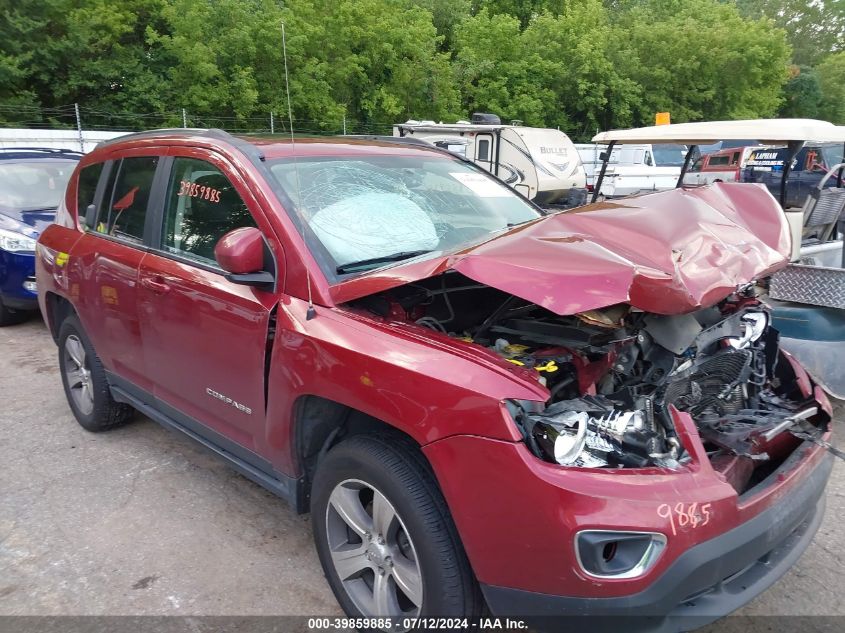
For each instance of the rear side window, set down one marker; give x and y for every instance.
(87, 187)
(201, 207)
(126, 212)
(719, 161)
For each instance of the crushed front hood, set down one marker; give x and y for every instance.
(669, 253)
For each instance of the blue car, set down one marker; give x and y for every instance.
(32, 185)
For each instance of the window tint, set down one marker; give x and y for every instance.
(127, 208)
(719, 160)
(483, 150)
(202, 206)
(87, 187)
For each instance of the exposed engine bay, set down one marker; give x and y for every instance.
(616, 375)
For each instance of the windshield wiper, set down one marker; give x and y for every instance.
(384, 259)
(37, 209)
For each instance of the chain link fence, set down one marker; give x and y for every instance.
(80, 117)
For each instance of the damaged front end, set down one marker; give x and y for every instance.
(618, 377)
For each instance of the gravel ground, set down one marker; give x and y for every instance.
(139, 521)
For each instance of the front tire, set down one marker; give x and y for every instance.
(387, 543)
(84, 381)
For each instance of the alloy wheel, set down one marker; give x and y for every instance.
(372, 552)
(78, 375)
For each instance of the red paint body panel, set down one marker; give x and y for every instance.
(177, 330)
(517, 516)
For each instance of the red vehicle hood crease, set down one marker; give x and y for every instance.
(669, 253)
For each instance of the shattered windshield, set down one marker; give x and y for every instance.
(369, 211)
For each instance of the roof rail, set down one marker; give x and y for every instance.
(248, 148)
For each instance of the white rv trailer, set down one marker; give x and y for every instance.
(540, 163)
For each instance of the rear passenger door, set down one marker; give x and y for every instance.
(204, 337)
(111, 253)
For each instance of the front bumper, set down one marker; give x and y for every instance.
(705, 583)
(16, 269)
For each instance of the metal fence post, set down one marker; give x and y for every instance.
(184, 118)
(272, 124)
(79, 128)
(344, 124)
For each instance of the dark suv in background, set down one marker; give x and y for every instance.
(32, 183)
(765, 165)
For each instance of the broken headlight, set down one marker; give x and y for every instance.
(753, 324)
(588, 434)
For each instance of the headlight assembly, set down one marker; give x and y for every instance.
(16, 242)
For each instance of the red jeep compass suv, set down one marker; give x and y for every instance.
(582, 413)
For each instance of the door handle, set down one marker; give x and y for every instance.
(155, 284)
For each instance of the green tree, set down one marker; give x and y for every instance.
(523, 10)
(700, 60)
(802, 94)
(58, 52)
(814, 28)
(497, 72)
(575, 64)
(831, 73)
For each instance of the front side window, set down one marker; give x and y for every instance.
(201, 207)
(33, 185)
(368, 211)
(86, 188)
(126, 213)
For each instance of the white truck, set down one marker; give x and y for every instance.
(540, 163)
(633, 168)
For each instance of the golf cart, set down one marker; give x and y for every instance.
(808, 295)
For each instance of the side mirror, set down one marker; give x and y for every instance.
(241, 253)
(603, 156)
(90, 216)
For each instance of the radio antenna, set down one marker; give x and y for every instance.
(311, 313)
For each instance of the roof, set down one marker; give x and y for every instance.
(423, 126)
(767, 131)
(279, 146)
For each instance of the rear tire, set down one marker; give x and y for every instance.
(84, 380)
(385, 538)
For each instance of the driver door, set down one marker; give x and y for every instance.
(204, 337)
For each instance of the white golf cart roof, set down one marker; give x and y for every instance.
(766, 131)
